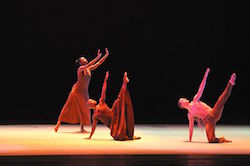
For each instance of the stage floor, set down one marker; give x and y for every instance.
(39, 140)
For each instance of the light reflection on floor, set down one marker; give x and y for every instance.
(19, 140)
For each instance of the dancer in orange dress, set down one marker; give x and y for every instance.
(120, 118)
(75, 110)
(205, 115)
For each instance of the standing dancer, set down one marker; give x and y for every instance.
(120, 118)
(204, 115)
(75, 110)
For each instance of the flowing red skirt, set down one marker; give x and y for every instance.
(122, 124)
(75, 109)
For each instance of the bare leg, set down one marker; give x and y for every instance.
(82, 129)
(57, 125)
(210, 131)
(217, 112)
(219, 105)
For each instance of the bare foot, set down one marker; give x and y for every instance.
(232, 79)
(84, 131)
(223, 140)
(107, 75)
(125, 78)
(226, 141)
(136, 137)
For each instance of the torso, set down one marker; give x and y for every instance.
(199, 109)
(104, 114)
(82, 84)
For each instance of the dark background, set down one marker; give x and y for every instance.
(164, 47)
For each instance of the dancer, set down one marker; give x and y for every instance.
(75, 110)
(205, 115)
(120, 118)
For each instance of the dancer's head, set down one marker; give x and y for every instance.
(92, 104)
(182, 103)
(81, 61)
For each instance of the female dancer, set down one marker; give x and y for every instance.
(75, 110)
(120, 118)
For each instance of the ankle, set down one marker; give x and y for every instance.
(232, 79)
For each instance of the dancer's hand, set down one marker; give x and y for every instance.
(107, 51)
(99, 54)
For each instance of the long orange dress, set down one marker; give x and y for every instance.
(119, 118)
(75, 109)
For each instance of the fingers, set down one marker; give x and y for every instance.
(107, 51)
(99, 52)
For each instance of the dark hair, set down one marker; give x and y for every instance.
(78, 62)
(179, 105)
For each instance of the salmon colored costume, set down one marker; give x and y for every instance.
(120, 118)
(75, 109)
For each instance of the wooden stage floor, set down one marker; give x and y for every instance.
(38, 141)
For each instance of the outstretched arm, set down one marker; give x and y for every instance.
(94, 66)
(202, 86)
(83, 67)
(191, 126)
(99, 54)
(104, 88)
(93, 126)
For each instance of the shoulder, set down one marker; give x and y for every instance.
(82, 68)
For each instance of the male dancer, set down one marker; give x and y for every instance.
(204, 114)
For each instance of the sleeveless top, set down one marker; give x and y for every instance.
(82, 84)
(104, 114)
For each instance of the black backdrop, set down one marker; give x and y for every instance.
(164, 47)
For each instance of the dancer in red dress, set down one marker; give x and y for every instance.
(205, 115)
(120, 118)
(75, 110)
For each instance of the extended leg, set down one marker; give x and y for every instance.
(122, 128)
(210, 130)
(219, 105)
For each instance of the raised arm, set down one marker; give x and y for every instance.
(93, 126)
(99, 54)
(94, 66)
(191, 126)
(202, 86)
(104, 87)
